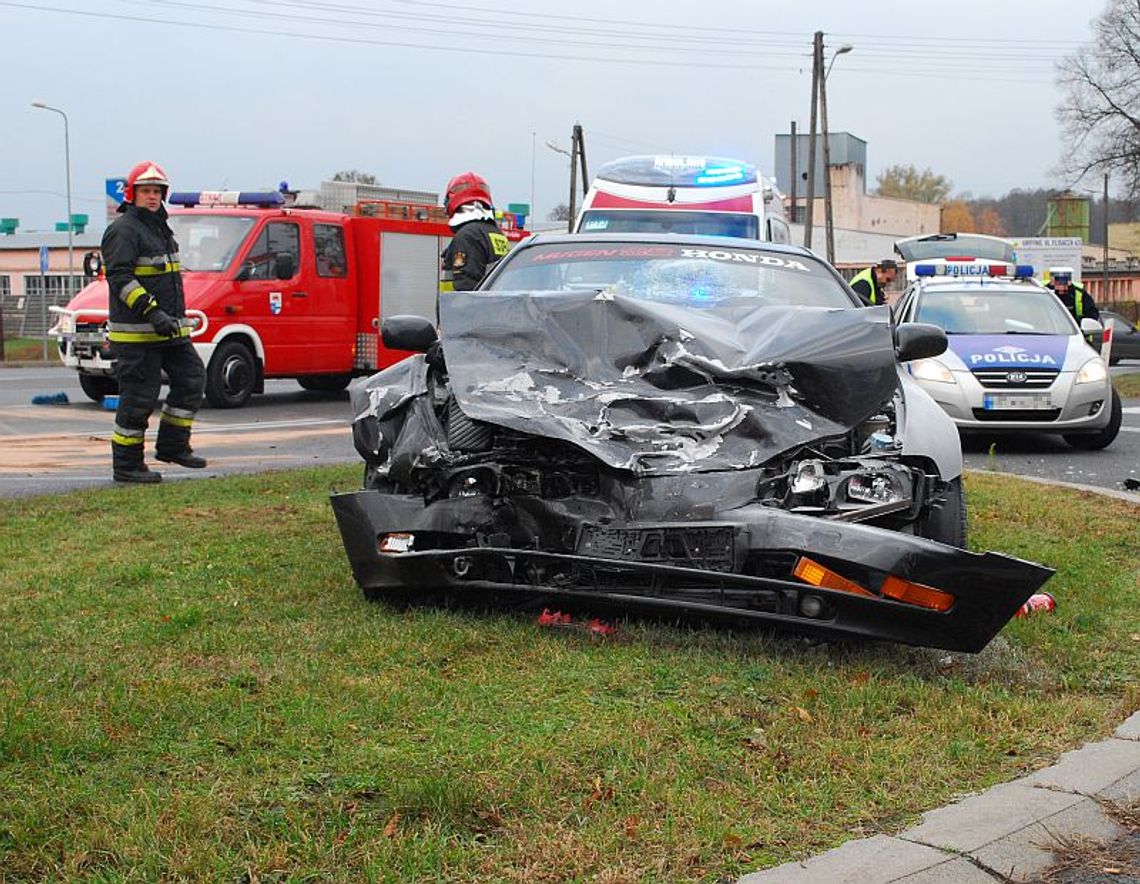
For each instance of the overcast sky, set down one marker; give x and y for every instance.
(245, 93)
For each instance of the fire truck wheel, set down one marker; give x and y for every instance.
(324, 383)
(231, 375)
(97, 386)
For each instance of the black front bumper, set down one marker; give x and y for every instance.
(744, 573)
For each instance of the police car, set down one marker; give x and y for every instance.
(1017, 360)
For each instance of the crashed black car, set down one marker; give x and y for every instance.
(673, 423)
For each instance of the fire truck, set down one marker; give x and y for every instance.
(281, 291)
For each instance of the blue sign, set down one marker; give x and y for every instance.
(44, 255)
(115, 189)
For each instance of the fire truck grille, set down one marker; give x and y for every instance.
(1015, 378)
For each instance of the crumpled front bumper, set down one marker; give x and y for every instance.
(739, 576)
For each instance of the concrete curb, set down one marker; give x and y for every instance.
(1006, 833)
(1127, 496)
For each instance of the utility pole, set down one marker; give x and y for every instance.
(577, 158)
(1104, 268)
(816, 75)
(828, 217)
(795, 144)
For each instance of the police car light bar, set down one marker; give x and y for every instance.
(260, 199)
(962, 268)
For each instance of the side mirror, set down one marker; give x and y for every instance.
(919, 340)
(408, 332)
(1090, 326)
(244, 272)
(283, 266)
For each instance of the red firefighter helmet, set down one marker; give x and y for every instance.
(466, 188)
(146, 172)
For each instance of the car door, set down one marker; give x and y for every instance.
(278, 308)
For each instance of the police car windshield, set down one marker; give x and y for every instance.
(681, 274)
(207, 243)
(994, 311)
(735, 224)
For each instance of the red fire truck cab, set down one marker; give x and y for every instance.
(280, 292)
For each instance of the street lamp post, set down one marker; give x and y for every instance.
(573, 187)
(67, 170)
(828, 215)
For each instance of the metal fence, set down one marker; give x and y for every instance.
(27, 315)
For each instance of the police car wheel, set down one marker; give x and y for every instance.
(231, 375)
(946, 520)
(97, 387)
(1097, 441)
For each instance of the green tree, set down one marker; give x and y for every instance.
(355, 176)
(906, 182)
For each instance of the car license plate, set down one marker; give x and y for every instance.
(1016, 401)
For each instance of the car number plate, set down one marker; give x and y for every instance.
(1018, 401)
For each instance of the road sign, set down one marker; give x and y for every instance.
(45, 256)
(116, 188)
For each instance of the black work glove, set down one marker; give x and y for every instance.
(163, 324)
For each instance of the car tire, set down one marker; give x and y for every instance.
(231, 375)
(324, 383)
(1097, 441)
(946, 521)
(97, 387)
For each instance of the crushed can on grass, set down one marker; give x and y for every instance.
(1040, 601)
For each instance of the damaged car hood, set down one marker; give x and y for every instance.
(657, 387)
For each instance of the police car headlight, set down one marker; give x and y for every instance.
(931, 370)
(1092, 372)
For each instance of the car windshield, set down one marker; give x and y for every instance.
(207, 243)
(955, 245)
(689, 275)
(738, 224)
(994, 311)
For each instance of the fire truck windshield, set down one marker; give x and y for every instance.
(704, 223)
(208, 243)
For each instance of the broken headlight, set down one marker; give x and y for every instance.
(877, 487)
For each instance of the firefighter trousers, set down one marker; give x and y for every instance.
(139, 369)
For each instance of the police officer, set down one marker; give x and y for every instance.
(1076, 300)
(477, 242)
(148, 331)
(871, 284)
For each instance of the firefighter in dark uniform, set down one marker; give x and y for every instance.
(871, 284)
(477, 242)
(148, 330)
(1076, 300)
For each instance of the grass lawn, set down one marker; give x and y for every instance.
(192, 687)
(29, 350)
(1127, 385)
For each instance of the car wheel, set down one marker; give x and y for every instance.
(231, 375)
(324, 383)
(1097, 441)
(97, 386)
(946, 520)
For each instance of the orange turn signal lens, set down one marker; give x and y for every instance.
(813, 572)
(917, 594)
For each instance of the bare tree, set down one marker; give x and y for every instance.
(560, 212)
(1100, 111)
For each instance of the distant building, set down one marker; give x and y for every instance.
(25, 292)
(866, 226)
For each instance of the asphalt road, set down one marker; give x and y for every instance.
(1046, 456)
(50, 448)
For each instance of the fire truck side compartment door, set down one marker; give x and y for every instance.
(409, 274)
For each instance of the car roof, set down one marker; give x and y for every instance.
(707, 242)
